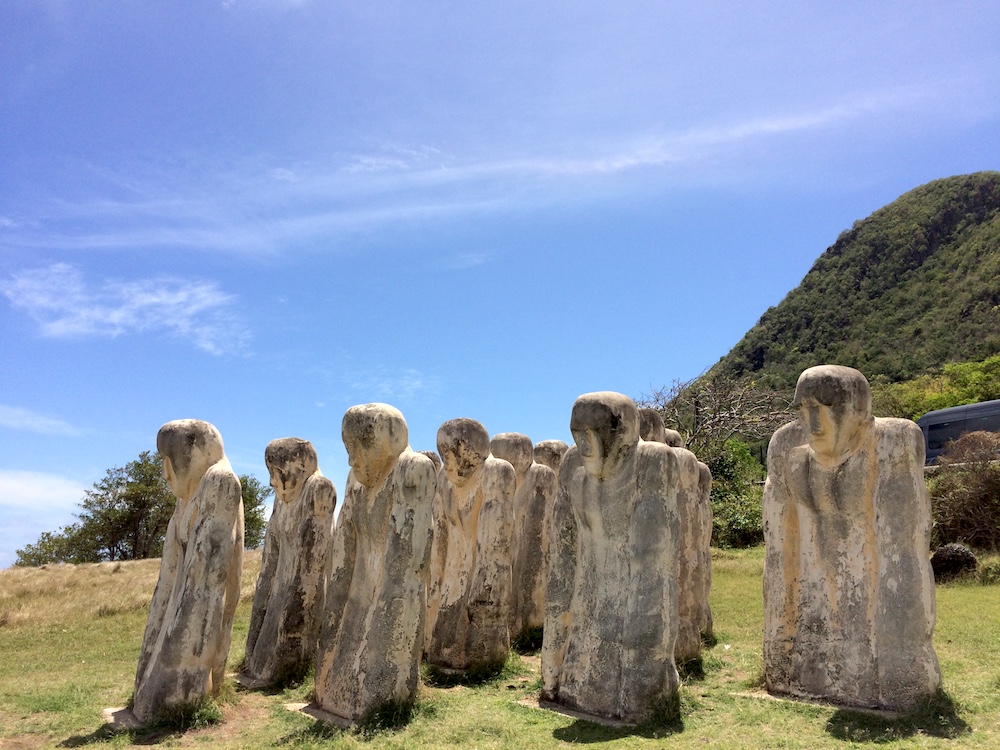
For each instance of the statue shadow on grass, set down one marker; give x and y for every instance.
(106, 732)
(583, 731)
(666, 721)
(938, 717)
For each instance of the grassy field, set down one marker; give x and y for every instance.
(70, 637)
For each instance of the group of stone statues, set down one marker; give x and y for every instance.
(602, 547)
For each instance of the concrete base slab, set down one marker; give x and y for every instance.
(315, 712)
(248, 682)
(573, 714)
(121, 719)
(764, 696)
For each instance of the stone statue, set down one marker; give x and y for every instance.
(694, 509)
(535, 489)
(651, 426)
(469, 597)
(550, 453)
(434, 457)
(190, 625)
(673, 438)
(848, 591)
(288, 601)
(611, 607)
(377, 589)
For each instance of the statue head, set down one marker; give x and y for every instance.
(605, 426)
(290, 462)
(651, 426)
(550, 453)
(434, 457)
(834, 404)
(374, 436)
(189, 447)
(673, 438)
(464, 446)
(514, 448)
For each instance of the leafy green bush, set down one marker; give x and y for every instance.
(737, 494)
(965, 493)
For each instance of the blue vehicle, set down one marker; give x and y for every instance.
(941, 426)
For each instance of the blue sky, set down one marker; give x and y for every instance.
(261, 212)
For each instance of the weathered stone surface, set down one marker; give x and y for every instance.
(535, 489)
(376, 596)
(694, 571)
(673, 438)
(952, 560)
(694, 568)
(550, 453)
(190, 625)
(611, 608)
(288, 600)
(469, 594)
(651, 426)
(848, 593)
(434, 457)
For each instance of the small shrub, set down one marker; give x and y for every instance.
(965, 493)
(953, 561)
(527, 641)
(989, 573)
(737, 494)
(738, 520)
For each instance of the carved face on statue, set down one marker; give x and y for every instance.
(835, 408)
(374, 436)
(188, 447)
(290, 462)
(464, 446)
(605, 426)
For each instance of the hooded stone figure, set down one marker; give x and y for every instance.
(535, 490)
(468, 606)
(288, 600)
(377, 590)
(848, 591)
(550, 453)
(694, 509)
(611, 609)
(188, 633)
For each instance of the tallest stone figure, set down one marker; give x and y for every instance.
(190, 625)
(848, 589)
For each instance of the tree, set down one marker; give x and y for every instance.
(726, 422)
(255, 493)
(125, 514)
(711, 410)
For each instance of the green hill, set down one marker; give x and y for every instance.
(910, 288)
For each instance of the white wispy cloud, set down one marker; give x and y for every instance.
(384, 386)
(38, 491)
(464, 261)
(64, 305)
(17, 418)
(263, 207)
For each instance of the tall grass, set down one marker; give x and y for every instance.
(69, 646)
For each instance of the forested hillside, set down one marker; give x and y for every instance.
(910, 288)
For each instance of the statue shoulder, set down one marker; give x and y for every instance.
(789, 435)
